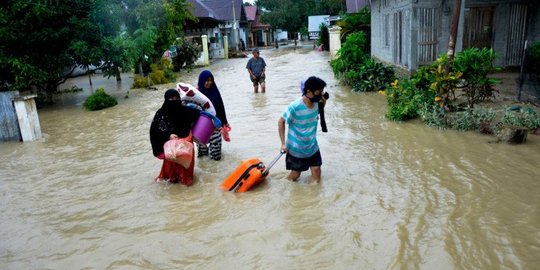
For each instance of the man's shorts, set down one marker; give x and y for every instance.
(259, 79)
(302, 164)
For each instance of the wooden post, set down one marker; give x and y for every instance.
(453, 33)
(27, 115)
(520, 78)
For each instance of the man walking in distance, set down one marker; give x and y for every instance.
(256, 67)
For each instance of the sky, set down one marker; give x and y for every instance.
(249, 1)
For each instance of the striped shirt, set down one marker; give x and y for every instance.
(302, 132)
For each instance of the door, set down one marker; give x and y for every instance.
(478, 27)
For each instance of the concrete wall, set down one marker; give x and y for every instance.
(379, 13)
(383, 11)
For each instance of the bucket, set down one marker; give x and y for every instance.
(202, 131)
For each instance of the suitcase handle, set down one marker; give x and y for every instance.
(267, 170)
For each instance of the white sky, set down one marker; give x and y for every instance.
(249, 1)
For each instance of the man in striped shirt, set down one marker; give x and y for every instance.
(301, 145)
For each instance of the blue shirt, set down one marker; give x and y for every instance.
(256, 66)
(302, 133)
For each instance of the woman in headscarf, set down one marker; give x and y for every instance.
(208, 87)
(173, 120)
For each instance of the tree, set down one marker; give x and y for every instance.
(43, 42)
(162, 18)
(292, 15)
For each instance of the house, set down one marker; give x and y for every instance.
(411, 33)
(259, 34)
(217, 19)
(314, 25)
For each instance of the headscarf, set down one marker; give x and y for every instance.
(171, 118)
(171, 93)
(213, 94)
(172, 107)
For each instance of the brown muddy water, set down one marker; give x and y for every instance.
(392, 195)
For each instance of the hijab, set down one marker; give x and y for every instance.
(213, 94)
(171, 118)
(172, 107)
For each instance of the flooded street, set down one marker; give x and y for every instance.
(392, 195)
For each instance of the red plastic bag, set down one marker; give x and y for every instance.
(179, 151)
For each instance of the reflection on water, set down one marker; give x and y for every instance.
(89, 84)
(393, 195)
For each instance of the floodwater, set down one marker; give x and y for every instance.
(392, 195)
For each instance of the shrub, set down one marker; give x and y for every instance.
(140, 82)
(324, 37)
(442, 82)
(99, 100)
(522, 118)
(158, 77)
(73, 89)
(484, 119)
(371, 76)
(351, 55)
(187, 53)
(464, 120)
(355, 22)
(475, 65)
(405, 100)
(433, 115)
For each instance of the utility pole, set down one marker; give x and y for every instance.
(235, 35)
(453, 33)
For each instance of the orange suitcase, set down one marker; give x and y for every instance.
(249, 173)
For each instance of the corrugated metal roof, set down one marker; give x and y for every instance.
(222, 9)
(201, 10)
(251, 12)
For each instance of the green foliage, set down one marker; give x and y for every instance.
(351, 55)
(40, 39)
(44, 41)
(324, 36)
(162, 73)
(158, 77)
(371, 76)
(477, 118)
(405, 100)
(522, 118)
(304, 31)
(99, 100)
(532, 63)
(288, 15)
(140, 82)
(355, 22)
(292, 15)
(484, 115)
(187, 53)
(443, 82)
(73, 89)
(475, 65)
(464, 120)
(433, 115)
(484, 118)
